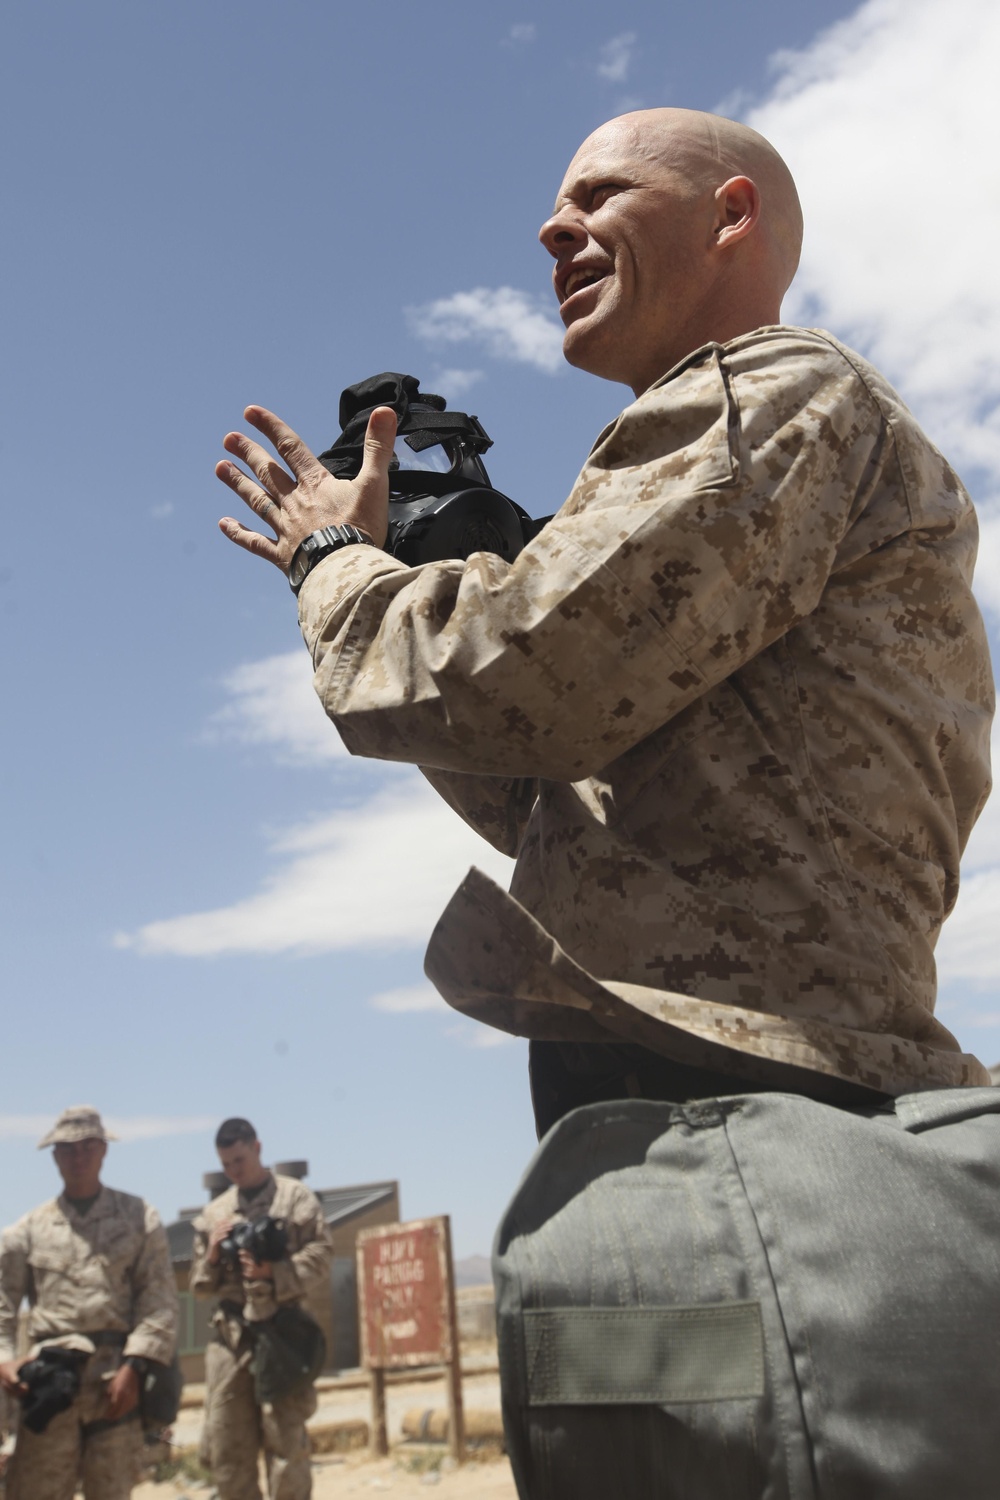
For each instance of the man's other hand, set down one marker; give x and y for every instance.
(10, 1377)
(123, 1393)
(296, 504)
(215, 1239)
(254, 1270)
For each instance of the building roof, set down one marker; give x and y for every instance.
(339, 1206)
(342, 1204)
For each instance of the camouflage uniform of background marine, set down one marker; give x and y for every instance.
(105, 1274)
(236, 1428)
(730, 710)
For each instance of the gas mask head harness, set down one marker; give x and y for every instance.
(433, 515)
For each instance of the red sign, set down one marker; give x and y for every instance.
(407, 1294)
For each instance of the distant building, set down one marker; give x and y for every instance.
(347, 1211)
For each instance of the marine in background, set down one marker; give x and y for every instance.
(249, 1292)
(94, 1267)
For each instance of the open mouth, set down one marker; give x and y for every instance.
(580, 278)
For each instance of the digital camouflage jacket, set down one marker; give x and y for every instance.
(105, 1271)
(730, 710)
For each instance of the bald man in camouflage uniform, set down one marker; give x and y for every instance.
(730, 710)
(237, 1426)
(94, 1266)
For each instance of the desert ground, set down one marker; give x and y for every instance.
(412, 1470)
(354, 1474)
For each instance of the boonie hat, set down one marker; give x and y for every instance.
(80, 1122)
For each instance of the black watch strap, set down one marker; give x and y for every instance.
(320, 544)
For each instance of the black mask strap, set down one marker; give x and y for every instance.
(423, 421)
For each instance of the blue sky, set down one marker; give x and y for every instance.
(215, 204)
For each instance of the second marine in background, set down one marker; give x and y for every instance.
(259, 1250)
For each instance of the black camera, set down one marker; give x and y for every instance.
(264, 1239)
(52, 1381)
(433, 514)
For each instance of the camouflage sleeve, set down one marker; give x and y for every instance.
(704, 526)
(309, 1262)
(497, 807)
(155, 1307)
(205, 1280)
(13, 1284)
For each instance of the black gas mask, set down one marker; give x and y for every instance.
(433, 514)
(52, 1382)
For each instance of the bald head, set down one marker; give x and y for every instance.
(708, 151)
(672, 228)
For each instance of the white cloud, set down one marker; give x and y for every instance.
(489, 1036)
(161, 512)
(968, 948)
(888, 123)
(272, 704)
(616, 57)
(373, 876)
(983, 849)
(523, 32)
(988, 563)
(454, 385)
(509, 324)
(126, 1127)
(480, 1036)
(421, 998)
(416, 997)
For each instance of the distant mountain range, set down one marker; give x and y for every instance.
(474, 1270)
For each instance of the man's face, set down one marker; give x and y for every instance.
(241, 1163)
(632, 239)
(79, 1164)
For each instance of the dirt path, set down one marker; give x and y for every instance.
(481, 1391)
(355, 1474)
(334, 1479)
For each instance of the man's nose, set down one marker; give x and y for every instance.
(561, 233)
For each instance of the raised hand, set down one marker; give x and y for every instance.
(298, 503)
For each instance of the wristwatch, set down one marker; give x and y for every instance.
(320, 544)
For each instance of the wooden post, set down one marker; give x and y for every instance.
(456, 1411)
(380, 1430)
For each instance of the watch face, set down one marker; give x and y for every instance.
(298, 567)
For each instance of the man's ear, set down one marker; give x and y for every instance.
(737, 210)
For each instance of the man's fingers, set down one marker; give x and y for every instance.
(250, 541)
(267, 469)
(299, 458)
(380, 437)
(258, 500)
